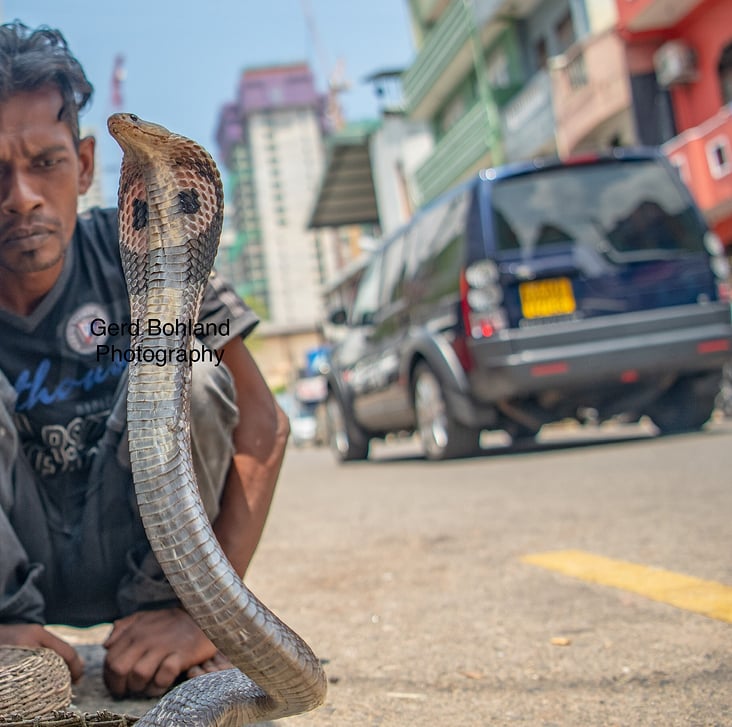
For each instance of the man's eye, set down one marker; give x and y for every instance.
(48, 162)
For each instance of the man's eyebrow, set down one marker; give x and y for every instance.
(38, 153)
(52, 149)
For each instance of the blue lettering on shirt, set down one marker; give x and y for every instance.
(32, 389)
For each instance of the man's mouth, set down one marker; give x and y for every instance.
(26, 237)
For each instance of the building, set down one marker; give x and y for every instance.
(681, 53)
(596, 102)
(367, 189)
(503, 80)
(271, 142)
(481, 80)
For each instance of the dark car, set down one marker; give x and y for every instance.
(536, 292)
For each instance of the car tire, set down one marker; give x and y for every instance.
(683, 408)
(441, 435)
(522, 436)
(347, 440)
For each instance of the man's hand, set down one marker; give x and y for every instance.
(34, 636)
(149, 650)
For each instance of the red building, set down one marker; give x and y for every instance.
(680, 62)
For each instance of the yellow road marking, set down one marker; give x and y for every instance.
(692, 594)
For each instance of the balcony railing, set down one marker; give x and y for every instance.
(438, 50)
(590, 86)
(528, 120)
(445, 55)
(456, 154)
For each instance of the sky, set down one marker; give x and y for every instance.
(183, 58)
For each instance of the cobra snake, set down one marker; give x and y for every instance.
(170, 218)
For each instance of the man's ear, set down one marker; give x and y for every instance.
(87, 146)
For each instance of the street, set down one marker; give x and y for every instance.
(407, 579)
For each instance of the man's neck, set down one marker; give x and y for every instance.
(21, 294)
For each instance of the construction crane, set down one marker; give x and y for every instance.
(336, 78)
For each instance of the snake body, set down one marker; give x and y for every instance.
(170, 217)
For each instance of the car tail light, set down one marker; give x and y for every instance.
(715, 346)
(481, 298)
(555, 368)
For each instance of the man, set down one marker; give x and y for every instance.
(71, 545)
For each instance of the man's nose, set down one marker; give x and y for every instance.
(20, 195)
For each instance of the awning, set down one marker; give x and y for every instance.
(346, 195)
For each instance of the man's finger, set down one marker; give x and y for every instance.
(122, 657)
(118, 630)
(72, 659)
(67, 652)
(168, 671)
(152, 674)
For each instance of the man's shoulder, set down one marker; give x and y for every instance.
(98, 225)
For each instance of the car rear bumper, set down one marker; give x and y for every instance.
(608, 350)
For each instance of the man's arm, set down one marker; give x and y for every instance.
(149, 649)
(21, 602)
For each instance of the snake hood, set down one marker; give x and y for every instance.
(170, 192)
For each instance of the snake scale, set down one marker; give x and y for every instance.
(170, 218)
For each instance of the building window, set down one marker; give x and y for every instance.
(725, 74)
(682, 167)
(719, 158)
(453, 112)
(541, 53)
(497, 70)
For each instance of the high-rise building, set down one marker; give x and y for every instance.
(271, 143)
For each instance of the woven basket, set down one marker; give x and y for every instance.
(70, 719)
(35, 689)
(33, 682)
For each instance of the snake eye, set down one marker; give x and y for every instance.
(134, 118)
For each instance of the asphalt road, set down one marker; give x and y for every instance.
(407, 579)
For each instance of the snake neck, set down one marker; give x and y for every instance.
(164, 218)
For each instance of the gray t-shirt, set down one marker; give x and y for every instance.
(65, 383)
(70, 534)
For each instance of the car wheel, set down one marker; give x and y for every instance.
(683, 408)
(442, 437)
(522, 435)
(347, 440)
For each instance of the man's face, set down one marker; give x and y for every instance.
(41, 176)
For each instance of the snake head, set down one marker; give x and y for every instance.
(137, 136)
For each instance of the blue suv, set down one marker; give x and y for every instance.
(588, 288)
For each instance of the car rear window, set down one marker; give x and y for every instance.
(626, 210)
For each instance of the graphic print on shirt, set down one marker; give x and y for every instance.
(61, 449)
(63, 402)
(79, 335)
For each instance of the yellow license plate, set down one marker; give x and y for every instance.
(544, 298)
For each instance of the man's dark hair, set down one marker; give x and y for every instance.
(31, 59)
